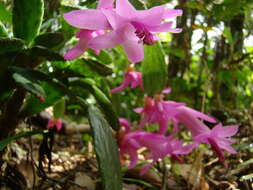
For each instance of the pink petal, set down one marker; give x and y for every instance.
(124, 122)
(200, 115)
(175, 30)
(87, 19)
(108, 40)
(138, 110)
(59, 124)
(151, 17)
(134, 50)
(166, 91)
(115, 20)
(105, 4)
(172, 13)
(76, 50)
(226, 131)
(125, 9)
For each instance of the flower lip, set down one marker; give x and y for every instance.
(145, 36)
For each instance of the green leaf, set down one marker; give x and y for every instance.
(49, 40)
(5, 15)
(59, 108)
(106, 150)
(98, 67)
(102, 100)
(10, 45)
(6, 141)
(45, 53)
(27, 18)
(34, 106)
(29, 83)
(154, 70)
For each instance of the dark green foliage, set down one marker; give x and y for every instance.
(10, 45)
(106, 150)
(27, 18)
(49, 40)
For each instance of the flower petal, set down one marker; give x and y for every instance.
(108, 40)
(87, 19)
(170, 13)
(76, 50)
(134, 49)
(105, 4)
(125, 9)
(151, 17)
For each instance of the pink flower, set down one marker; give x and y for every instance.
(83, 44)
(132, 79)
(128, 26)
(216, 137)
(87, 32)
(158, 146)
(158, 111)
(54, 122)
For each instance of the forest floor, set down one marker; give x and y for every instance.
(73, 166)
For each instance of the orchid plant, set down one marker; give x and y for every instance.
(112, 24)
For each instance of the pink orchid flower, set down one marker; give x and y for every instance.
(158, 145)
(132, 79)
(128, 26)
(86, 33)
(158, 111)
(216, 137)
(54, 122)
(131, 26)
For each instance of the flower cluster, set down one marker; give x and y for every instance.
(121, 24)
(108, 26)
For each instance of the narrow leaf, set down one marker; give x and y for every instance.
(154, 70)
(29, 83)
(6, 141)
(27, 18)
(106, 150)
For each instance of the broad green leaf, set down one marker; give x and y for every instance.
(59, 108)
(10, 45)
(106, 150)
(49, 40)
(5, 15)
(27, 18)
(154, 70)
(45, 53)
(6, 141)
